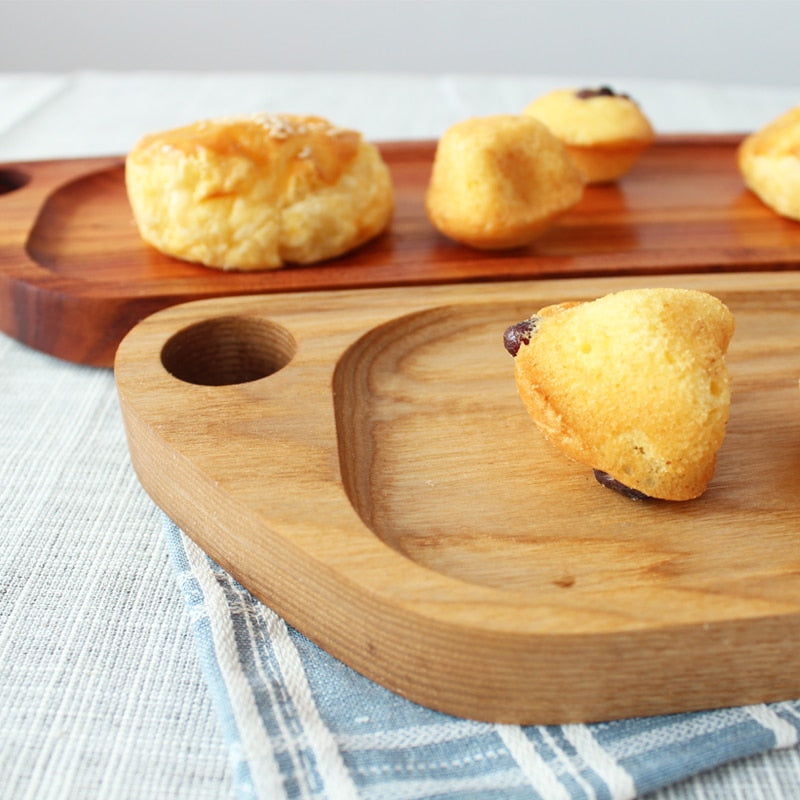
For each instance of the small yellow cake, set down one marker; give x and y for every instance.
(633, 384)
(258, 192)
(500, 182)
(605, 132)
(769, 161)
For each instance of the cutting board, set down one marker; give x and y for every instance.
(360, 460)
(75, 276)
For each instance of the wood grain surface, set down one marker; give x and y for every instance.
(360, 460)
(75, 276)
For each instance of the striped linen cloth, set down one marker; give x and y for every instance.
(300, 724)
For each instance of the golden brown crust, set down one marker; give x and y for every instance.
(769, 161)
(500, 182)
(258, 191)
(633, 384)
(604, 132)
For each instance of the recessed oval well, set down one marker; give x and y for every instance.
(441, 461)
(228, 350)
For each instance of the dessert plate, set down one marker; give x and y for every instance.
(360, 460)
(75, 276)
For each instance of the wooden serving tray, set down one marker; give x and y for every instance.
(360, 460)
(75, 276)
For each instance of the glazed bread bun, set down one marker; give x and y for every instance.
(500, 182)
(769, 161)
(634, 385)
(258, 192)
(605, 132)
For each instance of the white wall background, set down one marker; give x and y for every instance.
(736, 41)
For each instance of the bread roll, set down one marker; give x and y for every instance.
(258, 192)
(769, 161)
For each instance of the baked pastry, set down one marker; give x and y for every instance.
(633, 384)
(500, 181)
(258, 192)
(605, 132)
(769, 161)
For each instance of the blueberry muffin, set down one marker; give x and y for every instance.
(605, 132)
(634, 385)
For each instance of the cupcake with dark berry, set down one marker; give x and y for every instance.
(633, 384)
(604, 131)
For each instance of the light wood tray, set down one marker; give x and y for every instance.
(365, 467)
(75, 276)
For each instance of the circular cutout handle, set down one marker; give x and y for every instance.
(228, 350)
(12, 179)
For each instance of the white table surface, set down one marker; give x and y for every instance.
(101, 693)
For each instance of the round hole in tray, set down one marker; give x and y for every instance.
(223, 351)
(12, 179)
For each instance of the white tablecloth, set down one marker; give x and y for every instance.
(101, 692)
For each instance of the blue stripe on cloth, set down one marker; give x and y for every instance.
(789, 712)
(323, 731)
(569, 766)
(195, 605)
(275, 705)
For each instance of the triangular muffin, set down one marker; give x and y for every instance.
(633, 384)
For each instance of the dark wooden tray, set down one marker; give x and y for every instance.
(75, 276)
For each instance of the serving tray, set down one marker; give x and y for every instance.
(75, 276)
(360, 460)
